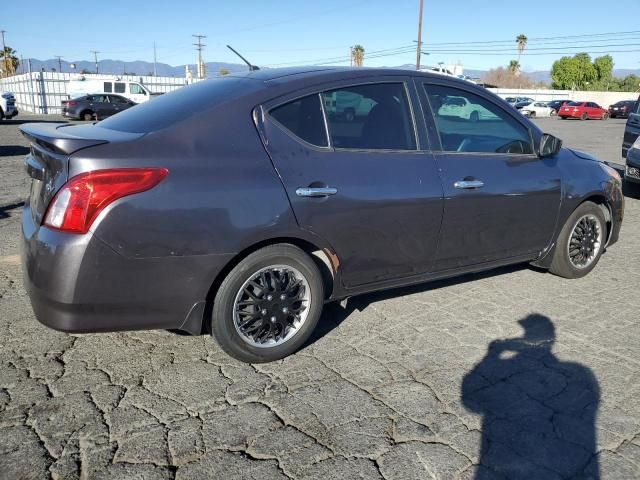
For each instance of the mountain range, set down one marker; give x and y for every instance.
(139, 67)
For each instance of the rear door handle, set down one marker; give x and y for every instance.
(469, 184)
(316, 191)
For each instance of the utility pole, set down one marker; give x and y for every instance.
(95, 57)
(419, 51)
(199, 46)
(4, 54)
(59, 62)
(155, 71)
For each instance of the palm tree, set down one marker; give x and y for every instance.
(521, 40)
(514, 67)
(357, 55)
(10, 62)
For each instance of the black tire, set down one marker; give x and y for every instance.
(532, 114)
(562, 118)
(605, 116)
(223, 325)
(87, 115)
(562, 264)
(474, 116)
(583, 116)
(1, 114)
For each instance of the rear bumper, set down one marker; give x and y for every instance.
(77, 283)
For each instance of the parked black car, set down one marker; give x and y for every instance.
(95, 107)
(631, 129)
(556, 104)
(240, 205)
(621, 109)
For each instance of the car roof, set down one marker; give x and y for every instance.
(281, 75)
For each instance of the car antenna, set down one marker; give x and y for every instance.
(251, 67)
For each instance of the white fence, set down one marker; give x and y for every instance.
(43, 92)
(604, 99)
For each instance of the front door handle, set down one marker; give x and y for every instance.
(316, 191)
(469, 184)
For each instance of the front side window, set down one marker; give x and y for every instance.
(303, 118)
(108, 87)
(475, 124)
(136, 89)
(371, 117)
(119, 87)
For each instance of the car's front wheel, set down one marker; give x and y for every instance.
(580, 243)
(268, 305)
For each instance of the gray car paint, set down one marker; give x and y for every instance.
(152, 260)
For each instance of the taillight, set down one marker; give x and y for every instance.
(81, 199)
(71, 103)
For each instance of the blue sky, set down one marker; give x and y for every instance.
(274, 32)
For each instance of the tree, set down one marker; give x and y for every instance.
(223, 71)
(521, 40)
(504, 78)
(357, 55)
(514, 67)
(604, 69)
(575, 72)
(85, 71)
(10, 62)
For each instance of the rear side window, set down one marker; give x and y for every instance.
(119, 87)
(303, 117)
(476, 125)
(371, 117)
(636, 108)
(108, 87)
(181, 104)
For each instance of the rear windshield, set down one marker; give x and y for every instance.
(162, 111)
(575, 104)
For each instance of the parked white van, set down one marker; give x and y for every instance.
(134, 91)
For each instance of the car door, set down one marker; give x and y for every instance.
(104, 107)
(362, 181)
(501, 200)
(118, 103)
(632, 128)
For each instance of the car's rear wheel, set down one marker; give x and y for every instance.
(583, 116)
(87, 115)
(268, 305)
(532, 114)
(605, 115)
(580, 243)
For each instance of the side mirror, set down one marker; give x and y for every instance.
(549, 145)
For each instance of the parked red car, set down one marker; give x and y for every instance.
(583, 110)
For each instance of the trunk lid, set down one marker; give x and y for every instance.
(48, 160)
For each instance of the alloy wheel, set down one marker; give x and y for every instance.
(271, 306)
(585, 241)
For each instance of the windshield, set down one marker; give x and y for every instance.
(160, 112)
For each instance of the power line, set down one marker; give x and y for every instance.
(199, 47)
(95, 57)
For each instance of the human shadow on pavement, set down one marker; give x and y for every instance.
(538, 412)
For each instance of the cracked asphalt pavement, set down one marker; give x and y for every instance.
(514, 373)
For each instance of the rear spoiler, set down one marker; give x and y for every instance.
(65, 139)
